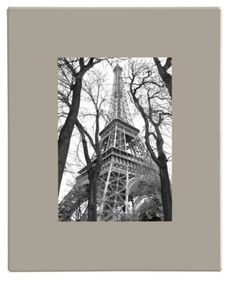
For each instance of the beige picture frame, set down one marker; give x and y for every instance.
(37, 241)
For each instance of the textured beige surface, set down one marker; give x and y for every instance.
(37, 241)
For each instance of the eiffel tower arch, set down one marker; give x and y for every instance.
(126, 167)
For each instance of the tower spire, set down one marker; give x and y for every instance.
(118, 102)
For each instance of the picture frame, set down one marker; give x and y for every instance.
(36, 38)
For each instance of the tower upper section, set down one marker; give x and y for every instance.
(118, 102)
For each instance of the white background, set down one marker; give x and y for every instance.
(228, 149)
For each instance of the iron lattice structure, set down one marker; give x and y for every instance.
(126, 167)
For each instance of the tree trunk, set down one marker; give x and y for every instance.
(92, 199)
(166, 77)
(166, 192)
(66, 131)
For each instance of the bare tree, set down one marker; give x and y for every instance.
(150, 96)
(71, 72)
(93, 88)
(94, 95)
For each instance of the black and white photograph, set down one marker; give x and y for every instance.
(114, 139)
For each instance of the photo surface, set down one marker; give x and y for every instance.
(114, 139)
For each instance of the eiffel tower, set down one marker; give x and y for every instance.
(126, 167)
